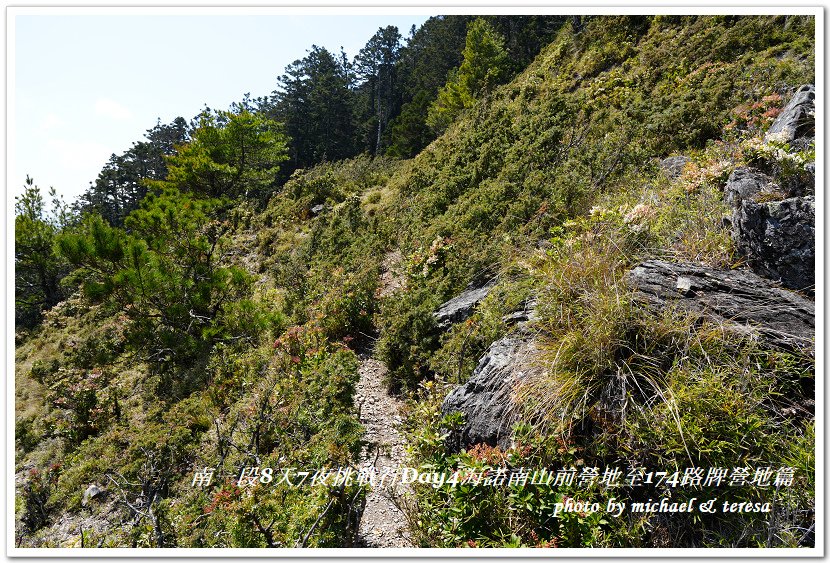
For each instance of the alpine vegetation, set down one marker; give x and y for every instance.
(506, 281)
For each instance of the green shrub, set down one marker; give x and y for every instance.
(36, 492)
(87, 407)
(100, 348)
(408, 336)
(348, 304)
(164, 274)
(43, 371)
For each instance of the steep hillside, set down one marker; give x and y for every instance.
(554, 189)
(213, 334)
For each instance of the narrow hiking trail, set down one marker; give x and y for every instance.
(382, 523)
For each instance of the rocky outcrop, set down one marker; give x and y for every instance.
(486, 400)
(773, 225)
(673, 166)
(746, 304)
(795, 125)
(460, 308)
(778, 238)
(743, 301)
(746, 183)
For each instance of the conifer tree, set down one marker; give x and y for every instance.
(231, 153)
(315, 103)
(121, 184)
(166, 273)
(484, 67)
(375, 64)
(430, 53)
(37, 268)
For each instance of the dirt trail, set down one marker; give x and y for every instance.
(382, 523)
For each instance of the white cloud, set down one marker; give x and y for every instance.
(112, 109)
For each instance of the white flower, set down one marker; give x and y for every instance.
(779, 137)
(641, 211)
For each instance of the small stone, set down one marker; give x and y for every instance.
(684, 285)
(92, 492)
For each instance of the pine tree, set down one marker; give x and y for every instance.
(121, 184)
(231, 153)
(375, 65)
(37, 268)
(164, 271)
(484, 67)
(430, 53)
(315, 103)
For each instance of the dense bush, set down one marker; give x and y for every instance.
(623, 387)
(166, 276)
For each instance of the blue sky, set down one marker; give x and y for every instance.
(88, 86)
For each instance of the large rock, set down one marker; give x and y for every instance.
(487, 400)
(774, 227)
(460, 308)
(796, 124)
(673, 166)
(778, 238)
(743, 301)
(745, 183)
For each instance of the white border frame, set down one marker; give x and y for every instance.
(421, 8)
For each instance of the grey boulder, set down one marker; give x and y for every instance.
(487, 400)
(797, 120)
(461, 307)
(745, 183)
(778, 239)
(745, 303)
(673, 166)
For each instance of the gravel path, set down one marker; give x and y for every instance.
(382, 523)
